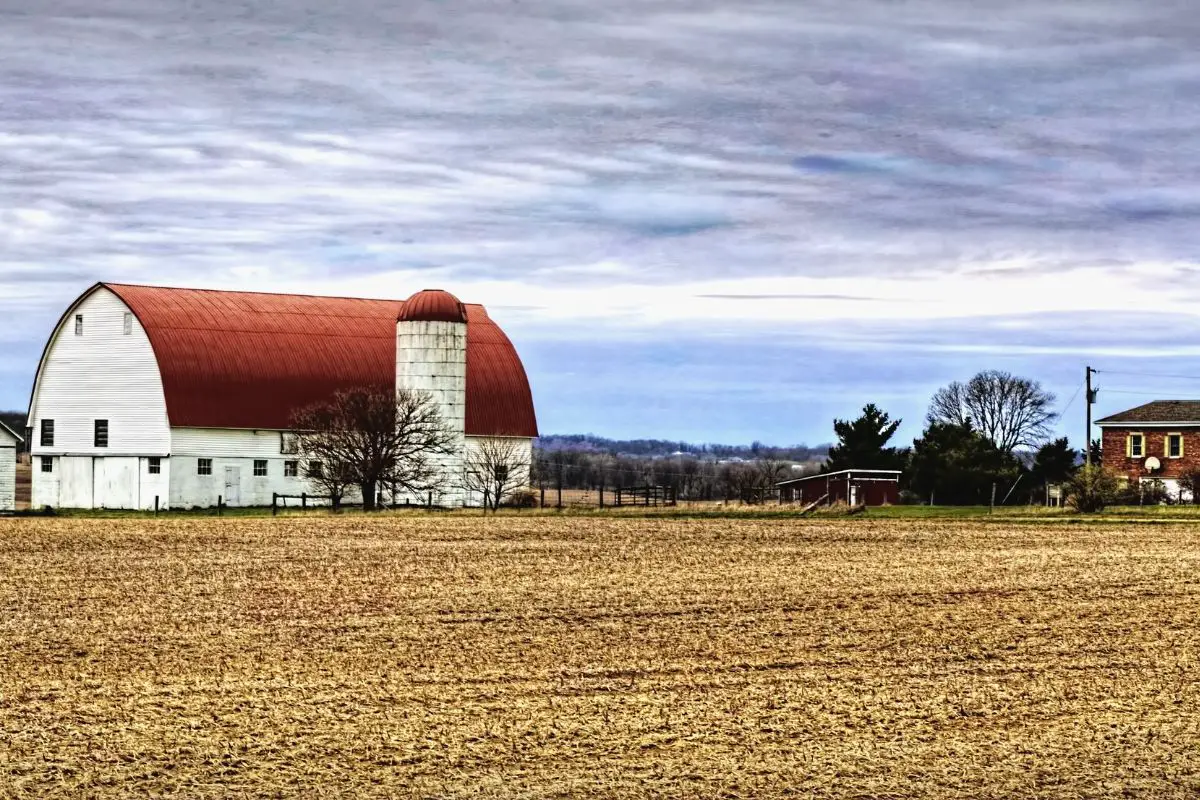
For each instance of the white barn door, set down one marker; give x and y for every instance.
(233, 486)
(117, 483)
(75, 487)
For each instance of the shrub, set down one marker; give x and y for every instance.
(525, 498)
(1091, 489)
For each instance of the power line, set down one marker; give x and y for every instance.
(1150, 374)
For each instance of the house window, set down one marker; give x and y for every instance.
(291, 469)
(101, 436)
(260, 468)
(79, 324)
(289, 444)
(1174, 448)
(154, 466)
(128, 324)
(47, 433)
(47, 464)
(1136, 445)
(204, 466)
(316, 469)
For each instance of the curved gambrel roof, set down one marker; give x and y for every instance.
(250, 360)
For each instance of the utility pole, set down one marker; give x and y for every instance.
(1091, 399)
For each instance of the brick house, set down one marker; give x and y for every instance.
(1157, 441)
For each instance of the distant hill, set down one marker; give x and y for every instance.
(660, 448)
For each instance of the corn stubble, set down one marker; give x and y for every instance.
(555, 657)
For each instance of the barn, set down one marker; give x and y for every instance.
(180, 397)
(10, 443)
(856, 487)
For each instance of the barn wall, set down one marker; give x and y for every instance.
(102, 374)
(524, 454)
(234, 453)
(432, 357)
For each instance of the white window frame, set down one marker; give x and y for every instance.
(264, 464)
(79, 324)
(154, 466)
(47, 465)
(1167, 445)
(291, 469)
(128, 323)
(203, 464)
(1140, 440)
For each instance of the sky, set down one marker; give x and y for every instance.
(697, 220)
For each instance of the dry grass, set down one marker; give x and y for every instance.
(538, 656)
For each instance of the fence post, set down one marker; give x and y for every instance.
(543, 496)
(156, 505)
(304, 501)
(274, 504)
(602, 497)
(220, 506)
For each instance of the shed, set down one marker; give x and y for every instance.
(10, 443)
(865, 487)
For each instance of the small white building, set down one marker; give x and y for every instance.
(10, 443)
(174, 398)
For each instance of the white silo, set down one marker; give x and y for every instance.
(431, 356)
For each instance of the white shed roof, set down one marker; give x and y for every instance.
(5, 433)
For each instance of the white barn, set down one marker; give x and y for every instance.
(149, 396)
(10, 443)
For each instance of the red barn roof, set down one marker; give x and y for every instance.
(250, 360)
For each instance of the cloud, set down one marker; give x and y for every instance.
(638, 165)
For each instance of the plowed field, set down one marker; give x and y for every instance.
(555, 657)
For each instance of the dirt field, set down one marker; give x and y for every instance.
(542, 656)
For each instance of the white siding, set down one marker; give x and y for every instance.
(8, 474)
(475, 499)
(432, 357)
(233, 453)
(101, 374)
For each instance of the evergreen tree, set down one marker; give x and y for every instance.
(862, 443)
(954, 464)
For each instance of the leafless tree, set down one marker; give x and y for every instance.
(370, 437)
(495, 468)
(1009, 410)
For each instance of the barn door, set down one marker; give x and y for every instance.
(233, 486)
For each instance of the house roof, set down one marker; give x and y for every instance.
(251, 360)
(5, 429)
(875, 474)
(1158, 412)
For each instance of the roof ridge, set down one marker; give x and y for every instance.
(240, 291)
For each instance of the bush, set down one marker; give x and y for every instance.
(522, 499)
(1091, 489)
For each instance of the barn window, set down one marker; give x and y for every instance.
(260, 468)
(316, 469)
(101, 437)
(47, 433)
(128, 324)
(1135, 446)
(289, 444)
(291, 469)
(154, 466)
(204, 466)
(47, 464)
(79, 324)
(1174, 446)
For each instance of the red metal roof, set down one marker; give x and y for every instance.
(247, 360)
(432, 305)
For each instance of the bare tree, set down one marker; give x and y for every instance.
(495, 468)
(370, 437)
(1009, 410)
(332, 480)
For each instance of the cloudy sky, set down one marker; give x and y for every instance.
(716, 221)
